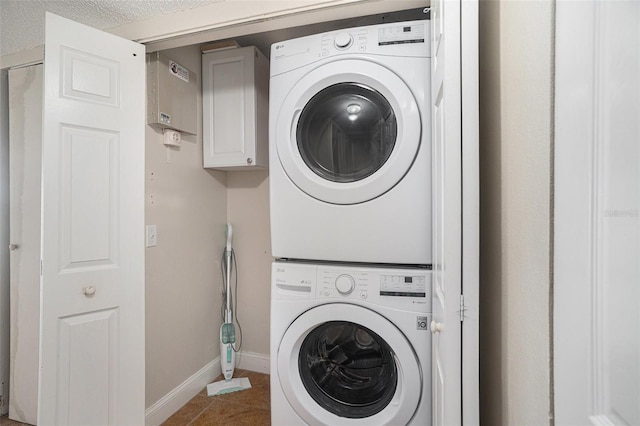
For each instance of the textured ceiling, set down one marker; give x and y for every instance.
(22, 21)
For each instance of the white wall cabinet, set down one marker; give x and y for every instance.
(235, 86)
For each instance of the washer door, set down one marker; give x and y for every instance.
(345, 364)
(348, 131)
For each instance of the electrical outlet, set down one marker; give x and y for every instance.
(172, 137)
(152, 235)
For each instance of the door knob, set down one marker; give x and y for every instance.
(13, 247)
(89, 290)
(436, 327)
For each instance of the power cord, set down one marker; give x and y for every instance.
(234, 301)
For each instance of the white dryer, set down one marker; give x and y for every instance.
(350, 151)
(350, 345)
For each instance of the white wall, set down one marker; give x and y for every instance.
(183, 282)
(516, 83)
(248, 211)
(190, 206)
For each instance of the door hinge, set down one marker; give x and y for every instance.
(462, 308)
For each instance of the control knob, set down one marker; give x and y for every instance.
(343, 40)
(345, 284)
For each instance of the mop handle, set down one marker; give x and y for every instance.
(228, 255)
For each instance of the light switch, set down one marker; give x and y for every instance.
(152, 235)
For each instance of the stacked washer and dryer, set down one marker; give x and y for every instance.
(350, 194)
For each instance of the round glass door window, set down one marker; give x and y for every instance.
(348, 369)
(346, 132)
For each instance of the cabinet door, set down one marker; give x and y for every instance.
(234, 84)
(92, 265)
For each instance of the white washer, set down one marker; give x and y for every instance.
(350, 150)
(350, 345)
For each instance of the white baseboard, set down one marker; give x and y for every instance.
(253, 362)
(166, 406)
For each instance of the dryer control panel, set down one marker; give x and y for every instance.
(402, 39)
(402, 288)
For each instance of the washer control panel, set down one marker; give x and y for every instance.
(407, 283)
(402, 288)
(403, 285)
(401, 34)
(390, 287)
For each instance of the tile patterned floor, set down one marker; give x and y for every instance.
(6, 421)
(244, 408)
(249, 407)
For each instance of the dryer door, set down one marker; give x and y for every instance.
(346, 137)
(355, 369)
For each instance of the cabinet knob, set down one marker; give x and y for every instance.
(89, 290)
(249, 160)
(13, 247)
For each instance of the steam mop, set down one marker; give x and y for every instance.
(228, 333)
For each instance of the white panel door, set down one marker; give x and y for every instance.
(597, 214)
(456, 207)
(92, 283)
(25, 151)
(447, 236)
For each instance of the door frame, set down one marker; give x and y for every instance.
(157, 38)
(470, 262)
(590, 125)
(4, 242)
